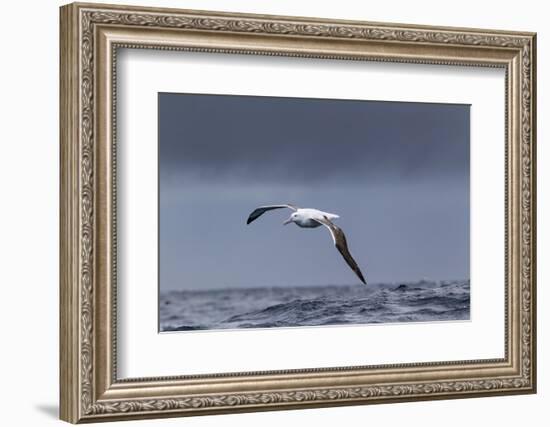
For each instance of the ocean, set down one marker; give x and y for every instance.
(423, 301)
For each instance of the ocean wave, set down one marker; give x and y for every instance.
(331, 305)
(184, 328)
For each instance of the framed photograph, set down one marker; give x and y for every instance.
(267, 212)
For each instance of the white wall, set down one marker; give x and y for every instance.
(29, 170)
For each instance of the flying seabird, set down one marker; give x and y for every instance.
(312, 218)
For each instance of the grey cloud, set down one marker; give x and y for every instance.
(268, 139)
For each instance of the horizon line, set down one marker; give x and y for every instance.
(397, 283)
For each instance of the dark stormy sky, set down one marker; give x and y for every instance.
(396, 173)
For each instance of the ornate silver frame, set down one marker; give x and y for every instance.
(90, 36)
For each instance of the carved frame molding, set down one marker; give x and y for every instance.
(90, 36)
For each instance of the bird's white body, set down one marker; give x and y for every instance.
(308, 218)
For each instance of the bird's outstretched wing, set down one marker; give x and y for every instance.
(341, 244)
(262, 209)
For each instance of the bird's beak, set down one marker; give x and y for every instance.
(288, 221)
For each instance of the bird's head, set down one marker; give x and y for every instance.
(292, 218)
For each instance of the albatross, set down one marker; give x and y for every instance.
(312, 218)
